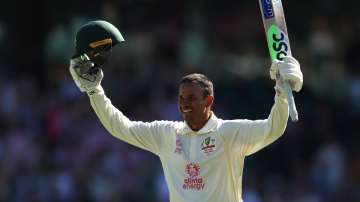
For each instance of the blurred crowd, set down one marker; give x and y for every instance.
(54, 149)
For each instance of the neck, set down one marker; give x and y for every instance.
(201, 123)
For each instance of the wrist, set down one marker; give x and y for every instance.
(96, 90)
(279, 89)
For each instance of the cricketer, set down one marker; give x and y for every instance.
(203, 156)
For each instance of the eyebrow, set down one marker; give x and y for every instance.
(192, 94)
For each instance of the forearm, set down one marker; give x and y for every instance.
(277, 119)
(112, 119)
(140, 134)
(264, 132)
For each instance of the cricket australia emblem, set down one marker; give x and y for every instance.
(193, 181)
(208, 145)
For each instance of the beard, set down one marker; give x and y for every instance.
(196, 118)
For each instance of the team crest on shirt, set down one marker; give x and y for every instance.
(193, 181)
(208, 145)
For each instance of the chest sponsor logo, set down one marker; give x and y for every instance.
(193, 181)
(208, 145)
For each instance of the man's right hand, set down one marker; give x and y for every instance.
(86, 76)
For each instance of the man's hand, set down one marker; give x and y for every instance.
(289, 71)
(86, 76)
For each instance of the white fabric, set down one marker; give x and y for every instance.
(289, 71)
(206, 165)
(89, 83)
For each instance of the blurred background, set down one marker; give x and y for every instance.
(54, 149)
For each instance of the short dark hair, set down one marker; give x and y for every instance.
(204, 82)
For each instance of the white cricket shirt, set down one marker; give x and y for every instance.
(202, 166)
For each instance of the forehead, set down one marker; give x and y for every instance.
(190, 88)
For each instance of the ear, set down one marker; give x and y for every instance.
(209, 100)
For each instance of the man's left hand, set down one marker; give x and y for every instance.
(289, 71)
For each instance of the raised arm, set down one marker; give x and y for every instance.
(147, 136)
(248, 137)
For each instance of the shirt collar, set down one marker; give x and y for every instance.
(210, 126)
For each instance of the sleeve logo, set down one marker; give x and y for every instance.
(178, 146)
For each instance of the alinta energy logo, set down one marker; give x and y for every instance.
(193, 181)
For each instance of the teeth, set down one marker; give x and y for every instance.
(187, 110)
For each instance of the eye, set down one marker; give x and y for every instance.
(192, 98)
(189, 98)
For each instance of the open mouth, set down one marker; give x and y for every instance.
(186, 110)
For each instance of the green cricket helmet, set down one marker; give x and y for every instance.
(96, 35)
